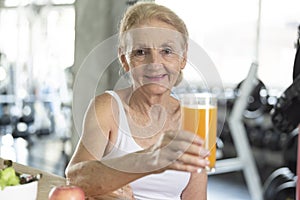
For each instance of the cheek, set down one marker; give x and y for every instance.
(174, 73)
(137, 72)
(133, 64)
(174, 68)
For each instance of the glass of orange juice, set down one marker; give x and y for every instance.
(199, 115)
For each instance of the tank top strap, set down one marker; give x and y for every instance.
(117, 98)
(123, 124)
(125, 143)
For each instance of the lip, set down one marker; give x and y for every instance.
(156, 77)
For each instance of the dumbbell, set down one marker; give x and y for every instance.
(257, 101)
(290, 151)
(278, 183)
(5, 121)
(22, 127)
(225, 135)
(255, 136)
(286, 113)
(274, 140)
(287, 190)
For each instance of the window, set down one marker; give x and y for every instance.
(38, 40)
(227, 30)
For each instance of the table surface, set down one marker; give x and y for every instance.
(48, 181)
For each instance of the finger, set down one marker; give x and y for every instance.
(168, 155)
(184, 167)
(194, 160)
(189, 148)
(185, 136)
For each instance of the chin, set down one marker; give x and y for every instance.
(156, 89)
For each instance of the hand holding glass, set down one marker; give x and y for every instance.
(199, 115)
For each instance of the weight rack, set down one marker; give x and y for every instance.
(245, 160)
(298, 169)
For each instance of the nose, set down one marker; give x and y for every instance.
(155, 57)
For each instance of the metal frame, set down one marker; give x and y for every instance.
(245, 160)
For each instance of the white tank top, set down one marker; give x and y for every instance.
(164, 186)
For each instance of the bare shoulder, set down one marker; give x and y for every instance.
(102, 101)
(97, 130)
(105, 106)
(101, 111)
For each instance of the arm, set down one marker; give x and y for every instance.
(174, 150)
(85, 168)
(96, 178)
(196, 188)
(100, 177)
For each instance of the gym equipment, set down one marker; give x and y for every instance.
(245, 159)
(298, 169)
(225, 134)
(257, 100)
(286, 190)
(286, 117)
(5, 122)
(274, 140)
(279, 183)
(255, 136)
(290, 152)
(286, 112)
(265, 137)
(296, 70)
(23, 123)
(21, 130)
(43, 132)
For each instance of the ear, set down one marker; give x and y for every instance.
(123, 60)
(183, 61)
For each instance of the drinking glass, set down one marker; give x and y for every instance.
(199, 115)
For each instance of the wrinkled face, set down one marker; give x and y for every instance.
(154, 54)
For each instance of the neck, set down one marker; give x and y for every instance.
(142, 101)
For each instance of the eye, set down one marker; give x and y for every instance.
(139, 52)
(167, 51)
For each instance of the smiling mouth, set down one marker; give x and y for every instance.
(156, 78)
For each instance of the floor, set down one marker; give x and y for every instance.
(48, 153)
(229, 186)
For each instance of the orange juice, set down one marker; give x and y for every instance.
(202, 120)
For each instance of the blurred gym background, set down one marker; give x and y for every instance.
(44, 42)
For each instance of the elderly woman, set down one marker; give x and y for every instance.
(131, 137)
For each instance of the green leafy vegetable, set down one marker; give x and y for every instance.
(8, 177)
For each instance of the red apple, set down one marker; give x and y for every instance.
(66, 192)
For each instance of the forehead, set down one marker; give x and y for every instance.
(153, 35)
